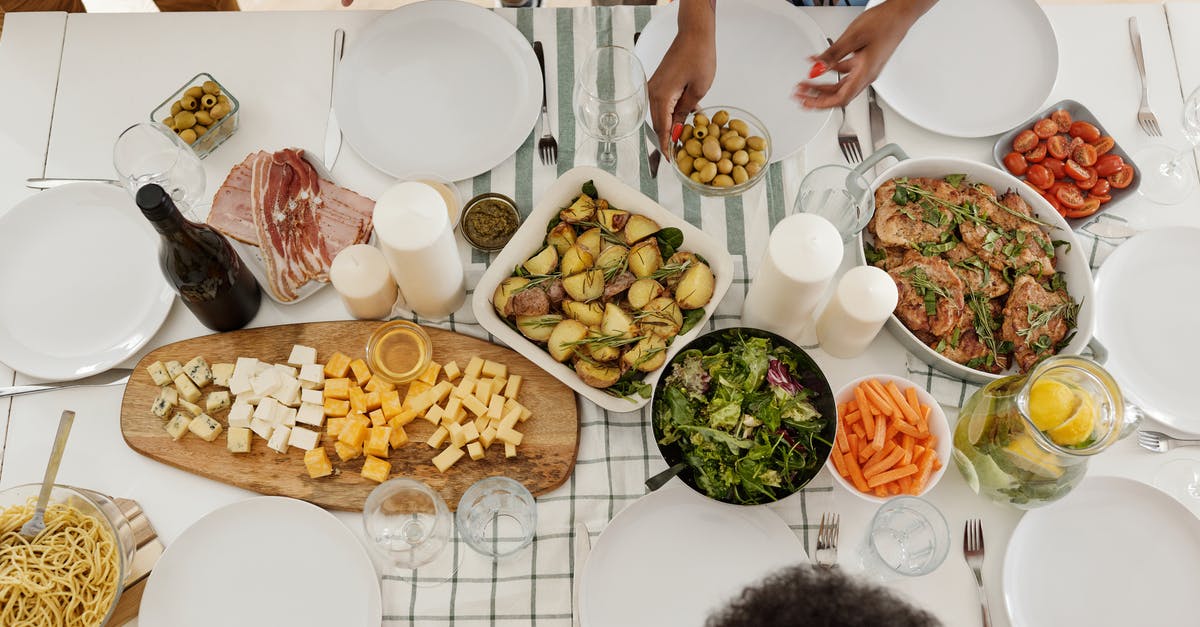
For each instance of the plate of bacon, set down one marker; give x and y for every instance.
(288, 220)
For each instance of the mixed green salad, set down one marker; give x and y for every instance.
(742, 420)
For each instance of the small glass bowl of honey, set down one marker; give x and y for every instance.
(399, 351)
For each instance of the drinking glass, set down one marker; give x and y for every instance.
(840, 195)
(1181, 480)
(610, 98)
(149, 152)
(497, 516)
(908, 536)
(409, 525)
(1167, 175)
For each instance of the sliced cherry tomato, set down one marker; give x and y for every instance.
(1085, 131)
(1104, 144)
(1122, 178)
(818, 69)
(1075, 171)
(1103, 198)
(1108, 165)
(1045, 128)
(1037, 153)
(1025, 141)
(1063, 119)
(1053, 202)
(1058, 146)
(1084, 154)
(1040, 176)
(1089, 206)
(1069, 196)
(1102, 187)
(1016, 164)
(1090, 181)
(1056, 166)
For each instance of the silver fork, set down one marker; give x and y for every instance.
(1145, 116)
(547, 145)
(1160, 442)
(827, 539)
(847, 137)
(973, 553)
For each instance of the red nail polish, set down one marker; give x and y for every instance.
(818, 69)
(676, 131)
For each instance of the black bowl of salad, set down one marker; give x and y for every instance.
(749, 413)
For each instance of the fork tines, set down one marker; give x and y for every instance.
(1149, 123)
(973, 536)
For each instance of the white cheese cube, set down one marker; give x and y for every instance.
(249, 398)
(187, 389)
(178, 426)
(240, 384)
(444, 460)
(221, 374)
(205, 427)
(260, 367)
(262, 428)
(285, 416)
(190, 408)
(240, 415)
(265, 382)
(279, 439)
(286, 370)
(302, 356)
(312, 376)
(311, 414)
(217, 401)
(288, 392)
(304, 438)
(197, 370)
(161, 407)
(315, 397)
(267, 409)
(174, 368)
(510, 449)
(238, 440)
(244, 368)
(158, 372)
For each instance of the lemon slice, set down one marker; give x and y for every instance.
(1024, 453)
(1078, 428)
(1051, 403)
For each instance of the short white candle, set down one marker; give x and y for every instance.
(414, 233)
(864, 299)
(361, 277)
(802, 255)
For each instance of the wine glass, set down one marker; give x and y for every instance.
(610, 98)
(1167, 175)
(840, 195)
(149, 152)
(1181, 480)
(409, 525)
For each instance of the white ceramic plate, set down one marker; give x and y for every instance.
(763, 46)
(81, 285)
(692, 555)
(958, 72)
(439, 88)
(528, 240)
(1113, 552)
(1146, 318)
(264, 561)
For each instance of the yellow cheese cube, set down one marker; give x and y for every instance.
(510, 450)
(452, 407)
(374, 401)
(462, 413)
(379, 384)
(405, 416)
(465, 388)
(345, 452)
(421, 404)
(470, 432)
(482, 423)
(362, 373)
(444, 460)
(378, 418)
(434, 414)
(431, 373)
(439, 436)
(474, 367)
(415, 389)
(337, 366)
(358, 399)
(487, 437)
(494, 369)
(451, 371)
(335, 407)
(513, 387)
(458, 439)
(237, 440)
(334, 426)
(510, 436)
(476, 407)
(376, 469)
(378, 441)
(317, 462)
(187, 389)
(441, 391)
(390, 403)
(510, 420)
(475, 451)
(399, 436)
(496, 407)
(525, 414)
(483, 389)
(337, 388)
(353, 433)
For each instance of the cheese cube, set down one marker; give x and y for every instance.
(525, 414)
(358, 399)
(265, 382)
(177, 426)
(266, 410)
(398, 436)
(474, 367)
(422, 403)
(302, 356)
(475, 450)
(337, 366)
(431, 373)
(311, 414)
(470, 432)
(315, 397)
(451, 371)
(494, 369)
(440, 392)
(334, 407)
(510, 450)
(288, 392)
(359, 418)
(405, 416)
(439, 436)
(483, 390)
(362, 373)
(353, 433)
(509, 436)
(461, 415)
(498, 385)
(378, 384)
(458, 439)
(334, 426)
(262, 428)
(415, 390)
(217, 401)
(174, 369)
(378, 441)
(434, 414)
(205, 427)
(221, 374)
(198, 371)
(304, 438)
(345, 452)
(158, 373)
(245, 367)
(377, 418)
(187, 389)
(482, 423)
(249, 398)
(239, 384)
(373, 401)
(376, 469)
(487, 437)
(279, 439)
(510, 420)
(286, 416)
(475, 407)
(465, 388)
(240, 415)
(161, 407)
(514, 386)
(312, 377)
(169, 394)
(285, 371)
(389, 402)
(237, 440)
(337, 388)
(316, 461)
(496, 407)
(452, 407)
(444, 460)
(190, 408)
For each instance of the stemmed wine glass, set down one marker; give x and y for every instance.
(409, 525)
(1168, 176)
(610, 98)
(149, 152)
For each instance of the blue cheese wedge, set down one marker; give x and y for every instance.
(205, 427)
(222, 373)
(161, 407)
(262, 428)
(279, 439)
(190, 408)
(240, 415)
(187, 390)
(177, 426)
(302, 356)
(174, 368)
(238, 440)
(158, 373)
(217, 401)
(304, 438)
(198, 371)
(312, 376)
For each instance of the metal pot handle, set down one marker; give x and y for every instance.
(890, 150)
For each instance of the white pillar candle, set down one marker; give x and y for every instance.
(864, 299)
(802, 255)
(414, 233)
(361, 277)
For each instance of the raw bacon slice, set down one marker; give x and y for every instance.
(230, 212)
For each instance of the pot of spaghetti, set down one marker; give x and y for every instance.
(73, 572)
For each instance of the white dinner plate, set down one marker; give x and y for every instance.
(673, 557)
(80, 285)
(1113, 552)
(268, 560)
(439, 88)
(1147, 299)
(972, 68)
(763, 48)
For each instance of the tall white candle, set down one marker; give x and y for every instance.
(414, 234)
(802, 255)
(864, 299)
(361, 277)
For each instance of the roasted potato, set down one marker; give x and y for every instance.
(643, 291)
(600, 351)
(581, 210)
(662, 317)
(647, 355)
(597, 375)
(591, 240)
(538, 328)
(504, 292)
(637, 228)
(585, 286)
(612, 259)
(612, 219)
(645, 258)
(695, 287)
(576, 260)
(616, 322)
(590, 314)
(561, 344)
(561, 237)
(542, 263)
(679, 259)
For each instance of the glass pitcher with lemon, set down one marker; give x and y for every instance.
(1025, 440)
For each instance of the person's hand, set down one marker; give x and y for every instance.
(861, 52)
(686, 71)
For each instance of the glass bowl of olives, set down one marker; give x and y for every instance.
(722, 151)
(202, 113)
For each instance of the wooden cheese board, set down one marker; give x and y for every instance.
(545, 458)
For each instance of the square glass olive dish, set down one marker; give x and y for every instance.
(213, 104)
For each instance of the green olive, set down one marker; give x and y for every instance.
(208, 101)
(700, 132)
(687, 132)
(725, 154)
(194, 92)
(187, 135)
(700, 121)
(741, 157)
(200, 130)
(734, 143)
(176, 107)
(185, 120)
(755, 142)
(189, 103)
(204, 117)
(741, 127)
(724, 166)
(714, 131)
(693, 147)
(696, 177)
(722, 180)
(721, 118)
(220, 111)
(685, 164)
(758, 156)
(739, 174)
(210, 87)
(708, 173)
(169, 122)
(698, 163)
(753, 168)
(712, 149)
(222, 99)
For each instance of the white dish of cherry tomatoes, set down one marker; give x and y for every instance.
(1066, 156)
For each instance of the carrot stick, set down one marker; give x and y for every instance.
(872, 455)
(838, 462)
(923, 425)
(893, 488)
(905, 485)
(892, 430)
(852, 417)
(864, 408)
(878, 466)
(918, 451)
(907, 429)
(856, 476)
(879, 401)
(909, 413)
(908, 442)
(925, 466)
(881, 492)
(937, 463)
(914, 401)
(853, 445)
(842, 442)
(880, 434)
(891, 475)
(859, 431)
(931, 442)
(852, 406)
(843, 409)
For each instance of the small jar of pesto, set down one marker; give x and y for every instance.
(489, 221)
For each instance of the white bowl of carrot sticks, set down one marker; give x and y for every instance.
(892, 438)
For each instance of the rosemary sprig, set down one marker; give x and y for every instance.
(995, 201)
(611, 341)
(536, 280)
(1038, 318)
(926, 288)
(541, 322)
(671, 269)
(985, 325)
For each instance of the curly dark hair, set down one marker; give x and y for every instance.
(816, 597)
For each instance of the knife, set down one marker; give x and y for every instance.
(583, 546)
(47, 183)
(878, 137)
(115, 376)
(333, 132)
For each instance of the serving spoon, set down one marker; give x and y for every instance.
(36, 524)
(661, 479)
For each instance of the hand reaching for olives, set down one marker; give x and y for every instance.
(686, 71)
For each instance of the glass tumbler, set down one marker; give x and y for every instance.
(840, 195)
(908, 536)
(409, 525)
(149, 152)
(497, 516)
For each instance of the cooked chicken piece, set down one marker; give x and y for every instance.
(1004, 240)
(976, 275)
(916, 277)
(618, 284)
(1034, 321)
(915, 222)
(530, 302)
(892, 256)
(962, 345)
